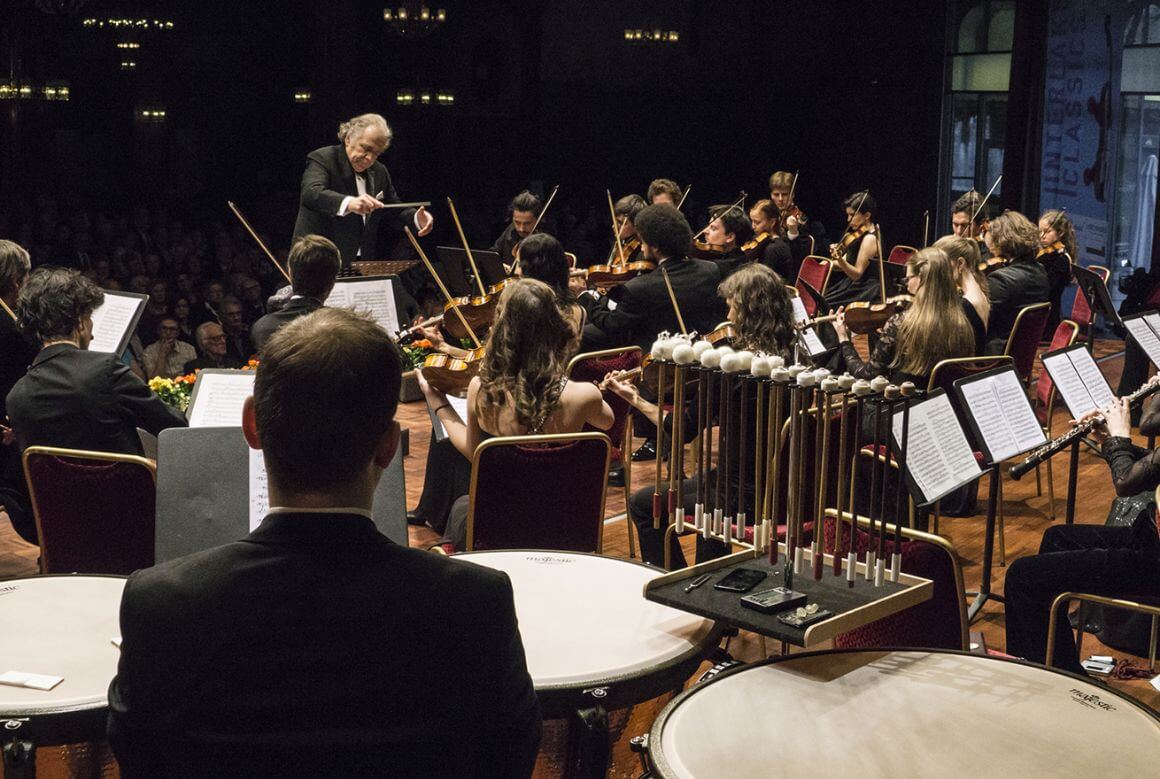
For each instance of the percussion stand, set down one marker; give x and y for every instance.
(984, 594)
(19, 755)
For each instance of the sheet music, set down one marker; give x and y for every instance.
(111, 322)
(1079, 381)
(458, 405)
(259, 489)
(1003, 415)
(1153, 320)
(938, 456)
(1146, 337)
(809, 335)
(799, 309)
(373, 296)
(218, 399)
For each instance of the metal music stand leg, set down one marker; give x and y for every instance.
(1072, 477)
(984, 594)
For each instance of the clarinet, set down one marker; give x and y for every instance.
(1046, 451)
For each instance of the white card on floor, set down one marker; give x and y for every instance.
(1156, 682)
(30, 681)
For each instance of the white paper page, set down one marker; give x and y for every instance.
(938, 456)
(219, 399)
(1093, 379)
(799, 309)
(1145, 337)
(1069, 384)
(1153, 320)
(812, 342)
(983, 402)
(459, 406)
(110, 321)
(1003, 415)
(375, 297)
(1018, 412)
(259, 491)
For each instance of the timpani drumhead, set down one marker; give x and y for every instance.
(902, 714)
(584, 619)
(59, 626)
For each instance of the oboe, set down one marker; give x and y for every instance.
(1059, 443)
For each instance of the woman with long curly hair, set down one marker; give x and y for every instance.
(1056, 254)
(934, 328)
(522, 387)
(762, 316)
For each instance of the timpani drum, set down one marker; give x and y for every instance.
(589, 634)
(59, 626)
(899, 714)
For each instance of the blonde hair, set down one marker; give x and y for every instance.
(1063, 228)
(1013, 235)
(358, 125)
(935, 328)
(782, 179)
(966, 249)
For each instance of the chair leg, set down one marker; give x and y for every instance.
(1038, 483)
(937, 511)
(1002, 528)
(1050, 491)
(626, 464)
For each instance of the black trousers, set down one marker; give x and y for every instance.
(652, 540)
(1110, 561)
(448, 477)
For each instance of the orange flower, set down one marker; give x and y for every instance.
(422, 343)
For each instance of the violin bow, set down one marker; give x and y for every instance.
(990, 192)
(615, 227)
(254, 235)
(925, 227)
(442, 287)
(673, 297)
(719, 214)
(793, 187)
(466, 248)
(881, 265)
(684, 195)
(544, 210)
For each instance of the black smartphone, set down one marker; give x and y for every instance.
(740, 580)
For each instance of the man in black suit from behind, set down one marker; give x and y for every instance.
(313, 266)
(71, 397)
(345, 187)
(315, 645)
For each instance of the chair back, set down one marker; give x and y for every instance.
(900, 254)
(939, 623)
(1081, 307)
(1026, 333)
(594, 366)
(814, 274)
(947, 372)
(539, 492)
(94, 511)
(1065, 334)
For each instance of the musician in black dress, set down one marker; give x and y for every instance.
(856, 261)
(776, 254)
(1056, 254)
(1113, 561)
(345, 189)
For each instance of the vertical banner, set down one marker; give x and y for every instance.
(1078, 171)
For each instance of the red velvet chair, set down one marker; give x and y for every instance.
(1043, 403)
(900, 254)
(939, 623)
(1026, 333)
(95, 511)
(594, 366)
(815, 275)
(539, 492)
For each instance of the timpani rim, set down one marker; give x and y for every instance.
(711, 637)
(662, 767)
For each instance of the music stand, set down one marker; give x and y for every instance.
(817, 297)
(382, 267)
(456, 271)
(1098, 298)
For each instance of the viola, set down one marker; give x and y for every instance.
(864, 317)
(1051, 248)
(848, 238)
(614, 275)
(753, 248)
(724, 335)
(451, 375)
(993, 264)
(706, 251)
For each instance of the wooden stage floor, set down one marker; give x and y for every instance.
(1026, 519)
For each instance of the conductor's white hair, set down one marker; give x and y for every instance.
(353, 128)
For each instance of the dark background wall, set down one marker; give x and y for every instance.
(547, 92)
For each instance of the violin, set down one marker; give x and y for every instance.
(848, 238)
(614, 275)
(724, 335)
(753, 248)
(792, 210)
(863, 317)
(451, 375)
(993, 264)
(706, 251)
(1051, 248)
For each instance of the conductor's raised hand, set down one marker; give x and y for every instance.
(424, 222)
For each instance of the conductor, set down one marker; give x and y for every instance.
(346, 191)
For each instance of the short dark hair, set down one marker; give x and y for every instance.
(525, 201)
(734, 220)
(314, 264)
(542, 258)
(54, 300)
(14, 266)
(325, 392)
(662, 186)
(664, 227)
(629, 206)
(971, 204)
(862, 202)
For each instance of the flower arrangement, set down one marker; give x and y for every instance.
(174, 392)
(416, 352)
(251, 365)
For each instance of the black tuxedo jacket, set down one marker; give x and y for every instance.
(275, 320)
(327, 180)
(641, 308)
(85, 400)
(317, 646)
(1020, 283)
